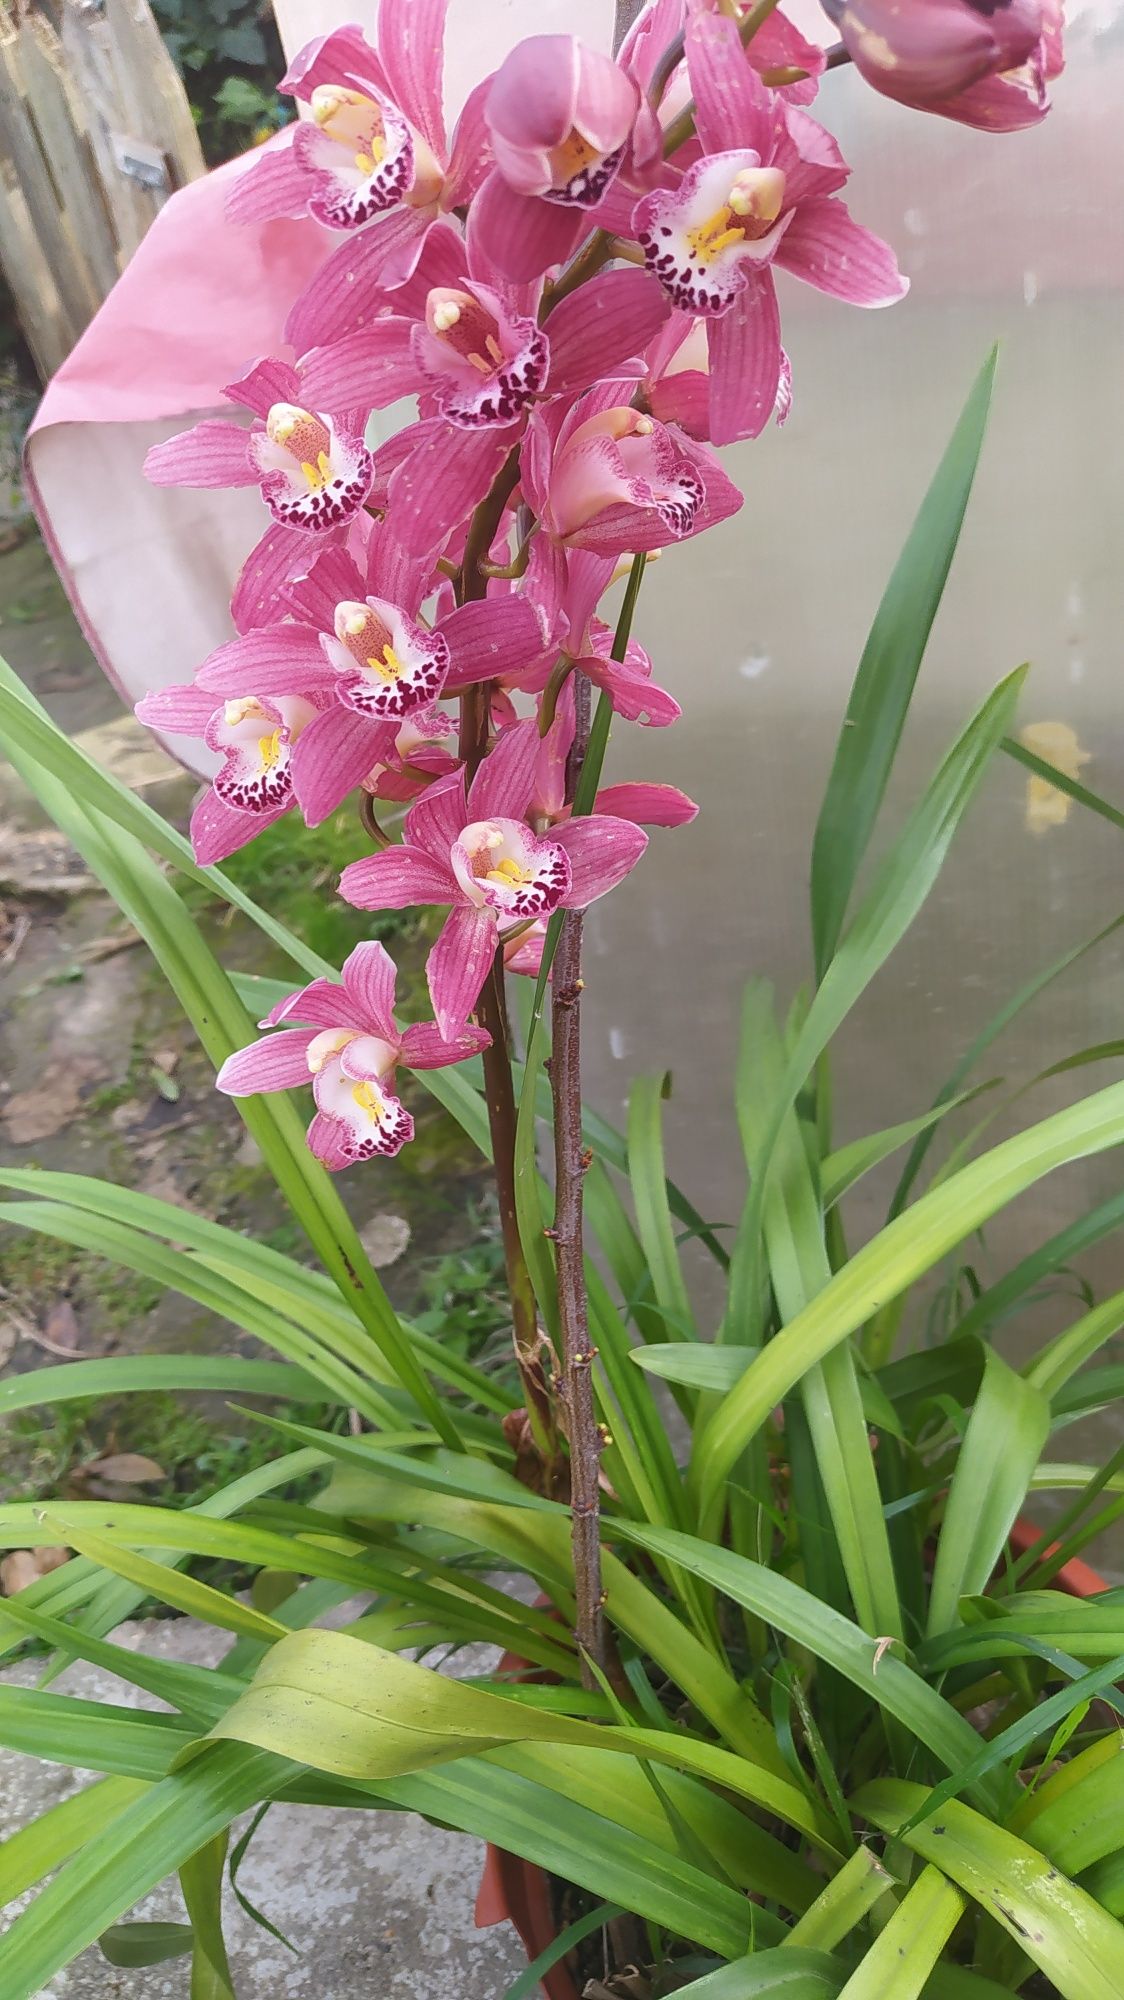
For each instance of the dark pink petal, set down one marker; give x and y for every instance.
(368, 368)
(1010, 103)
(348, 287)
(445, 474)
(471, 157)
(213, 453)
(534, 95)
(266, 382)
(280, 1062)
(518, 234)
(412, 49)
(438, 818)
(632, 694)
(327, 1138)
(504, 783)
(217, 829)
(601, 851)
(491, 640)
(647, 805)
(745, 361)
(683, 399)
(458, 965)
(369, 975)
(183, 711)
(342, 56)
(275, 182)
(333, 755)
(333, 576)
(400, 878)
(809, 156)
(323, 1003)
(732, 106)
(423, 1046)
(828, 249)
(601, 325)
(778, 45)
(275, 659)
(257, 598)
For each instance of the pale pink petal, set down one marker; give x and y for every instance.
(327, 1138)
(280, 1062)
(323, 1003)
(601, 852)
(369, 976)
(275, 182)
(745, 361)
(651, 34)
(445, 473)
(828, 249)
(213, 453)
(423, 1046)
(647, 805)
(400, 878)
(274, 659)
(732, 105)
(632, 694)
(182, 711)
(492, 639)
(343, 56)
(333, 755)
(366, 369)
(534, 95)
(471, 157)
(504, 783)
(348, 287)
(601, 325)
(458, 966)
(438, 818)
(264, 383)
(412, 49)
(257, 598)
(217, 829)
(518, 234)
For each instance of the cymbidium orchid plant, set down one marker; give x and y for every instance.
(826, 1716)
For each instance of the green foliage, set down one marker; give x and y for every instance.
(849, 1746)
(232, 107)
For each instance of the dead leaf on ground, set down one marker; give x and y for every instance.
(25, 1566)
(53, 1104)
(122, 1468)
(61, 1327)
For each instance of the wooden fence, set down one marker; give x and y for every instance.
(95, 134)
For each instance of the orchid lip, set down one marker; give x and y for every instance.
(485, 370)
(388, 666)
(254, 739)
(697, 239)
(501, 865)
(589, 173)
(312, 477)
(363, 153)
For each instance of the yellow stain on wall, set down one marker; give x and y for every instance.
(1056, 743)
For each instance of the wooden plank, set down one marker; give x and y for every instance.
(20, 143)
(62, 135)
(153, 101)
(31, 284)
(88, 55)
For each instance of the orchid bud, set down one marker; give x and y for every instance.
(924, 51)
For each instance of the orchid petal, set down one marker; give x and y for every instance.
(492, 639)
(279, 1062)
(369, 368)
(632, 694)
(269, 565)
(213, 453)
(504, 783)
(601, 325)
(333, 755)
(217, 829)
(348, 287)
(647, 805)
(344, 55)
(436, 821)
(601, 853)
(333, 576)
(327, 1139)
(424, 1047)
(745, 361)
(826, 247)
(400, 878)
(732, 105)
(369, 975)
(274, 659)
(274, 182)
(445, 474)
(519, 234)
(264, 383)
(470, 161)
(458, 965)
(412, 48)
(323, 1003)
(182, 711)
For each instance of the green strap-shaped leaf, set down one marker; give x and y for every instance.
(1007, 1429)
(201, 1881)
(137, 1944)
(898, 1963)
(841, 1907)
(1068, 1935)
(887, 673)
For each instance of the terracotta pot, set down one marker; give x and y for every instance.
(517, 1892)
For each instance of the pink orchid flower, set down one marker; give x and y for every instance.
(374, 157)
(643, 803)
(348, 1046)
(607, 477)
(418, 755)
(986, 67)
(676, 387)
(472, 848)
(560, 117)
(764, 192)
(313, 470)
(255, 736)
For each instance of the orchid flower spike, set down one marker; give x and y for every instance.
(343, 1039)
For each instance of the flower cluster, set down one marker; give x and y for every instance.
(578, 285)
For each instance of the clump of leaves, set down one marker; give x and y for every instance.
(227, 51)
